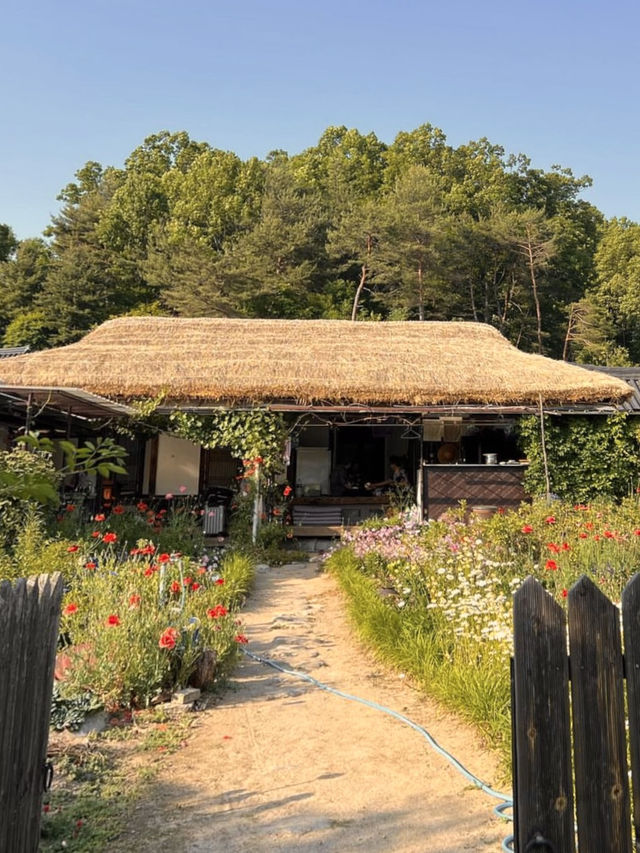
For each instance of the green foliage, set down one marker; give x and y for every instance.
(25, 478)
(103, 456)
(587, 457)
(252, 435)
(137, 628)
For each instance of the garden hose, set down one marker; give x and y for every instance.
(505, 805)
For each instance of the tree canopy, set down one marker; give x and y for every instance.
(351, 227)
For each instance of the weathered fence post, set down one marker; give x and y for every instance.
(543, 809)
(29, 617)
(543, 801)
(597, 694)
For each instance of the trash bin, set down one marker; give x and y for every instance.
(215, 511)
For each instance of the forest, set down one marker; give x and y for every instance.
(350, 228)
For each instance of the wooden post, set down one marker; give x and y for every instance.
(29, 617)
(602, 784)
(542, 780)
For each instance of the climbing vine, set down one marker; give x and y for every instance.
(255, 435)
(588, 457)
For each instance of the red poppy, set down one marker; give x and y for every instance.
(287, 491)
(597, 538)
(148, 549)
(195, 586)
(100, 517)
(109, 538)
(113, 619)
(258, 460)
(70, 507)
(175, 586)
(118, 510)
(163, 558)
(219, 581)
(73, 548)
(202, 570)
(555, 549)
(148, 571)
(217, 611)
(527, 528)
(564, 593)
(550, 519)
(551, 565)
(240, 638)
(566, 546)
(134, 600)
(609, 535)
(277, 511)
(636, 532)
(584, 535)
(142, 506)
(168, 638)
(70, 608)
(90, 565)
(187, 581)
(589, 525)
(96, 534)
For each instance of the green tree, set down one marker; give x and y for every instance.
(22, 278)
(8, 242)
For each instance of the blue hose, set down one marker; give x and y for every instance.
(507, 802)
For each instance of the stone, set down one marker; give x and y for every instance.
(186, 696)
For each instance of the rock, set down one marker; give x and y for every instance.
(186, 696)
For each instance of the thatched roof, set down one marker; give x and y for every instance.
(308, 361)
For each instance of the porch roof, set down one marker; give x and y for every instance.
(212, 361)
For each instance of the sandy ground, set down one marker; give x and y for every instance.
(280, 766)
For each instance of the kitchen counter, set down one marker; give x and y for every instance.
(499, 486)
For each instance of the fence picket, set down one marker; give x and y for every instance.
(602, 785)
(29, 614)
(631, 624)
(543, 787)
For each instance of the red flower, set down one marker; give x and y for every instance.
(134, 600)
(100, 517)
(109, 537)
(69, 609)
(142, 506)
(609, 535)
(118, 510)
(219, 581)
(90, 565)
(46, 807)
(195, 586)
(202, 570)
(555, 549)
(277, 511)
(589, 525)
(637, 532)
(163, 558)
(240, 638)
(217, 611)
(168, 638)
(550, 519)
(527, 528)
(258, 460)
(148, 549)
(584, 535)
(564, 593)
(175, 586)
(73, 548)
(551, 565)
(148, 571)
(287, 491)
(187, 581)
(70, 507)
(566, 546)
(597, 538)
(96, 534)
(113, 619)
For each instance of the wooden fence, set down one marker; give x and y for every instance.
(29, 617)
(545, 787)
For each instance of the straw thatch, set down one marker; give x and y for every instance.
(308, 361)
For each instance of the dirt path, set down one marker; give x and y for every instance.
(280, 766)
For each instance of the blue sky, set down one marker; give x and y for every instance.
(89, 80)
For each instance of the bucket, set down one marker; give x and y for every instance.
(490, 458)
(484, 511)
